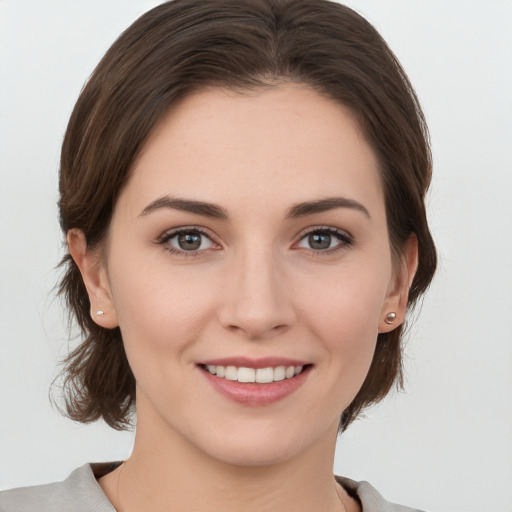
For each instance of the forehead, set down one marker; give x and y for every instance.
(263, 147)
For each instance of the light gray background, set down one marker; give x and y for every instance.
(445, 444)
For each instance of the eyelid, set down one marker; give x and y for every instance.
(345, 238)
(171, 233)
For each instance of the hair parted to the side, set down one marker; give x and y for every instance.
(182, 46)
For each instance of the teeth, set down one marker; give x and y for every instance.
(246, 375)
(231, 373)
(279, 373)
(259, 375)
(264, 375)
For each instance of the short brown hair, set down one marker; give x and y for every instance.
(185, 45)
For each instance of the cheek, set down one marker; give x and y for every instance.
(345, 316)
(160, 308)
(348, 300)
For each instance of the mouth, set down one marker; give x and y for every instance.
(246, 374)
(255, 383)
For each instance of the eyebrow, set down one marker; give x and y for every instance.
(186, 205)
(217, 212)
(324, 205)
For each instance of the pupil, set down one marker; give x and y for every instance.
(189, 241)
(320, 241)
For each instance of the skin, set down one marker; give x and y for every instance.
(255, 288)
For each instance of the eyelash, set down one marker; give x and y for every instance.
(345, 240)
(164, 239)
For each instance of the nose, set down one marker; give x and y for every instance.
(256, 300)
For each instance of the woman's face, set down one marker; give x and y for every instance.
(251, 235)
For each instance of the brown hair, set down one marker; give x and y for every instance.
(182, 46)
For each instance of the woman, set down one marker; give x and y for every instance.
(242, 191)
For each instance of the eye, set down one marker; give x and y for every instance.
(189, 240)
(325, 240)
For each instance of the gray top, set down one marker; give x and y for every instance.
(80, 492)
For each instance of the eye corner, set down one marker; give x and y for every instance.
(198, 239)
(325, 236)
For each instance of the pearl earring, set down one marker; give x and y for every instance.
(100, 312)
(390, 318)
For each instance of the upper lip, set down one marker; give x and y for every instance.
(261, 362)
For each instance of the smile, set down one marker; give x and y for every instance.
(255, 382)
(256, 375)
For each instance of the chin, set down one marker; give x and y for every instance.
(257, 454)
(263, 443)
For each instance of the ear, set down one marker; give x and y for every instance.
(398, 294)
(95, 277)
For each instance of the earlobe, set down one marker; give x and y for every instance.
(95, 277)
(395, 307)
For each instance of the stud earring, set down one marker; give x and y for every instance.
(100, 312)
(390, 318)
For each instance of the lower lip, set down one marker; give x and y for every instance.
(256, 395)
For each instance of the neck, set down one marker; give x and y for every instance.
(166, 469)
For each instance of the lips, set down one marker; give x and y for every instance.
(255, 382)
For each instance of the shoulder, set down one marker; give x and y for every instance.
(80, 492)
(371, 500)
